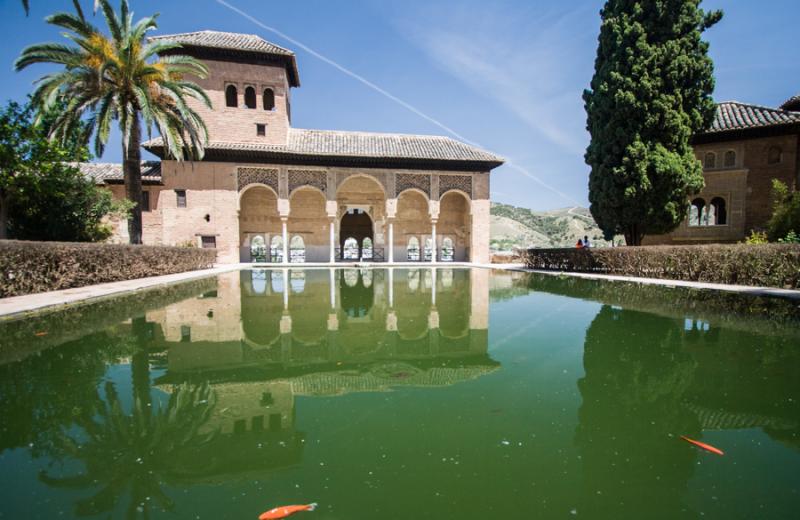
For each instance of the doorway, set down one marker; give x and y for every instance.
(355, 228)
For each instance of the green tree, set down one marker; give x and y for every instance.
(650, 93)
(121, 78)
(43, 195)
(786, 213)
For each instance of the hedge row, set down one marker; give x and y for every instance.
(31, 267)
(766, 265)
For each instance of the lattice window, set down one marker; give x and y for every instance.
(315, 178)
(266, 176)
(404, 181)
(455, 182)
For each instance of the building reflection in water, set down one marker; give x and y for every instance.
(265, 337)
(650, 379)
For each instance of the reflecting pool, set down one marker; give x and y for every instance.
(403, 393)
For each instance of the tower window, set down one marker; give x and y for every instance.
(231, 96)
(730, 159)
(710, 160)
(269, 99)
(261, 129)
(774, 155)
(250, 97)
(180, 197)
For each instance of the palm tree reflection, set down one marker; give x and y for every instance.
(135, 453)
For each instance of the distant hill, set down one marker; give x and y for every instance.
(520, 227)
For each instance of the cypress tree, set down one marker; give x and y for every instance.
(651, 92)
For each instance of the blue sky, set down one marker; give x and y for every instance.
(506, 74)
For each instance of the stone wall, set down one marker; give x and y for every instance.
(234, 201)
(745, 185)
(239, 124)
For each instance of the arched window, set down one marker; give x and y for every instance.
(696, 212)
(366, 249)
(269, 99)
(297, 281)
(297, 249)
(774, 155)
(366, 278)
(730, 159)
(258, 280)
(428, 252)
(276, 249)
(350, 249)
(710, 160)
(413, 280)
(258, 249)
(276, 281)
(231, 96)
(250, 97)
(413, 249)
(448, 250)
(720, 213)
(350, 277)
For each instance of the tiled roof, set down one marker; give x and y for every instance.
(793, 104)
(732, 115)
(225, 40)
(105, 172)
(228, 42)
(365, 145)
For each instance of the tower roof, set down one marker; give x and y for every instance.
(228, 45)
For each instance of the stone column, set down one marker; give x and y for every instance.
(433, 287)
(331, 208)
(391, 213)
(285, 234)
(286, 289)
(332, 284)
(433, 210)
(433, 241)
(391, 287)
(283, 211)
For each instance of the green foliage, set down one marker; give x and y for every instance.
(766, 265)
(43, 196)
(31, 267)
(790, 238)
(120, 77)
(756, 237)
(650, 93)
(786, 212)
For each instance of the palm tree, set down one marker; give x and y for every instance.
(122, 78)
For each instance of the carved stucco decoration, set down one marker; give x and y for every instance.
(404, 181)
(266, 176)
(455, 182)
(378, 176)
(316, 178)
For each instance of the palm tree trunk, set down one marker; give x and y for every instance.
(4, 199)
(132, 174)
(140, 364)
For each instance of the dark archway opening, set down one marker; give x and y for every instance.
(356, 224)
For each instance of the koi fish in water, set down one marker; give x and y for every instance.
(284, 511)
(703, 445)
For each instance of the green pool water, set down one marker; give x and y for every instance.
(446, 393)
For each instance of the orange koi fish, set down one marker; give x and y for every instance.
(284, 511)
(40, 334)
(703, 445)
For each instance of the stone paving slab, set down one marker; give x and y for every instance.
(749, 290)
(14, 306)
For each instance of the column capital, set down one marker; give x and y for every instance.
(283, 208)
(331, 208)
(433, 319)
(333, 322)
(391, 208)
(286, 324)
(433, 209)
(391, 322)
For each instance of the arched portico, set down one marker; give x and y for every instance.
(455, 226)
(259, 221)
(361, 206)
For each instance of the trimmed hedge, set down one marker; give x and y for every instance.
(767, 265)
(32, 267)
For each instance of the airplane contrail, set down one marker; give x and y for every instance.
(388, 95)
